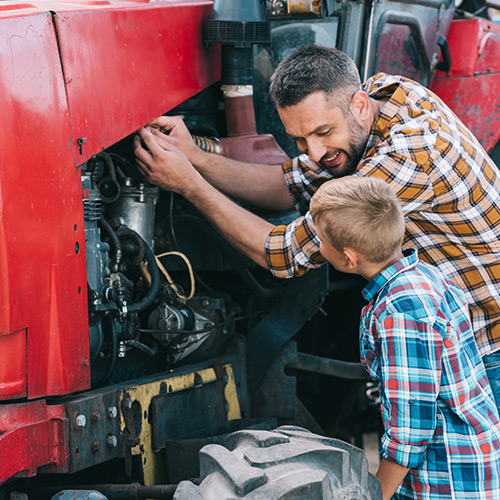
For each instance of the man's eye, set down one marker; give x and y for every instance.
(324, 132)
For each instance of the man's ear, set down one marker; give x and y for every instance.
(351, 258)
(360, 106)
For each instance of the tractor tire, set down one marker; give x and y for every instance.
(288, 463)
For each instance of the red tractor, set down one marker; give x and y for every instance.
(132, 335)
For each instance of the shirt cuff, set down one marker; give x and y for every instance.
(409, 456)
(278, 259)
(293, 249)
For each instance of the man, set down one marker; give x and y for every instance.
(391, 128)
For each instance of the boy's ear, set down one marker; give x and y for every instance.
(351, 258)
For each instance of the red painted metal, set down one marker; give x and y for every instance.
(258, 148)
(125, 66)
(240, 116)
(96, 70)
(472, 87)
(77, 69)
(21, 453)
(43, 311)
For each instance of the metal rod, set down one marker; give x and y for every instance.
(333, 367)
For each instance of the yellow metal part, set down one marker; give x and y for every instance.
(153, 463)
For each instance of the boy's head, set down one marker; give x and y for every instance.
(359, 214)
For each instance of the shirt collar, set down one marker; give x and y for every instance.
(409, 261)
(378, 87)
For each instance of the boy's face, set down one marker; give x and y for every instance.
(335, 257)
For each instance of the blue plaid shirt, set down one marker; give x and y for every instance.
(438, 412)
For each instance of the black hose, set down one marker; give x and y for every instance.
(116, 241)
(124, 231)
(110, 183)
(153, 270)
(112, 355)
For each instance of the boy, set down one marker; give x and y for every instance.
(441, 427)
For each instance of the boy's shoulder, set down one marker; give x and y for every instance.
(422, 292)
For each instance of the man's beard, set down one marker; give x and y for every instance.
(357, 146)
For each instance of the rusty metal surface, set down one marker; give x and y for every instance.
(94, 429)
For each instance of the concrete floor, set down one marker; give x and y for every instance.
(371, 444)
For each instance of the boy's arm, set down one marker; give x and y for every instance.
(390, 475)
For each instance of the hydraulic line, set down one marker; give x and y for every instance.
(109, 187)
(112, 355)
(114, 238)
(152, 267)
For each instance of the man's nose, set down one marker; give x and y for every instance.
(316, 149)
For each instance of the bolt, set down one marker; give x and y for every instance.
(80, 420)
(122, 350)
(205, 302)
(111, 441)
(94, 416)
(95, 446)
(128, 403)
(112, 412)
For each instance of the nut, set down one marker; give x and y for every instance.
(95, 446)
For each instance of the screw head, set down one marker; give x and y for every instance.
(112, 412)
(111, 441)
(80, 420)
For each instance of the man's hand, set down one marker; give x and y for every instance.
(175, 129)
(162, 163)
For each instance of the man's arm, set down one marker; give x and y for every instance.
(167, 167)
(262, 186)
(390, 475)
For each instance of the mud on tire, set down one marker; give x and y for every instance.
(288, 463)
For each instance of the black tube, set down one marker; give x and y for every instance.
(153, 269)
(124, 231)
(112, 356)
(237, 65)
(116, 241)
(109, 187)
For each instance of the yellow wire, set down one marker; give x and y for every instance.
(170, 280)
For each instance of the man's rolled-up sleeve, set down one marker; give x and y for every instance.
(294, 248)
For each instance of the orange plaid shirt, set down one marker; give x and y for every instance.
(450, 193)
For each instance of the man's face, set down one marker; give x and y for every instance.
(323, 132)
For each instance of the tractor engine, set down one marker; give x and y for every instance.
(129, 309)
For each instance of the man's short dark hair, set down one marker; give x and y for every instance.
(313, 68)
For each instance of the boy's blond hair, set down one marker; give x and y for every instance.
(361, 213)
